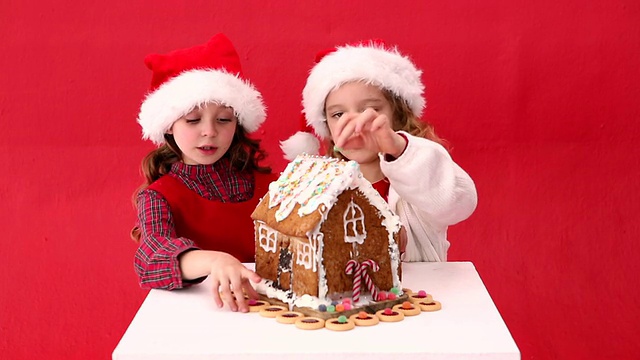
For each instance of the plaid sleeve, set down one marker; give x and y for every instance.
(156, 260)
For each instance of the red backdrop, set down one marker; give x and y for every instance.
(539, 100)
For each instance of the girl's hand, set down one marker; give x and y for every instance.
(231, 281)
(370, 131)
(403, 239)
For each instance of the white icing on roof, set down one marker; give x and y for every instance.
(312, 180)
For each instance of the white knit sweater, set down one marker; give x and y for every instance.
(429, 192)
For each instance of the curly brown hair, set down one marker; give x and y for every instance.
(403, 120)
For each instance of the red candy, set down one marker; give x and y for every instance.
(346, 301)
(252, 302)
(391, 296)
(347, 306)
(422, 293)
(388, 311)
(382, 296)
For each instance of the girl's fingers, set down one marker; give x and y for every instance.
(227, 295)
(345, 133)
(362, 127)
(241, 284)
(238, 286)
(379, 123)
(247, 277)
(216, 294)
(342, 121)
(250, 291)
(364, 120)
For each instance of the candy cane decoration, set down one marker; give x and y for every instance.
(367, 278)
(354, 268)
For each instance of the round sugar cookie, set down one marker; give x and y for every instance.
(408, 308)
(364, 319)
(289, 317)
(430, 306)
(335, 325)
(389, 315)
(257, 305)
(309, 323)
(420, 297)
(272, 311)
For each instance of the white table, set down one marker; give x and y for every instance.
(186, 324)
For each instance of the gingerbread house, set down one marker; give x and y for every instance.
(323, 232)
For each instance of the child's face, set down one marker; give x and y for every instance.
(351, 99)
(204, 135)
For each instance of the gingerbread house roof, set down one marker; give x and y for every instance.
(309, 187)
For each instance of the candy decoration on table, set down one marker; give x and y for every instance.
(389, 315)
(367, 278)
(420, 296)
(364, 319)
(341, 323)
(355, 269)
(257, 305)
(408, 308)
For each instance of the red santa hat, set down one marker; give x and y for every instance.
(187, 78)
(371, 62)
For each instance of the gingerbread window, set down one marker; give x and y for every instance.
(267, 237)
(354, 230)
(304, 254)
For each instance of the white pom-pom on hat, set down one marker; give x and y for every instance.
(300, 143)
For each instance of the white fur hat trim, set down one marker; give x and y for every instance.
(300, 143)
(369, 63)
(191, 89)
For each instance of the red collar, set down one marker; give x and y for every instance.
(383, 188)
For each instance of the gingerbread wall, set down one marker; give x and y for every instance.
(538, 99)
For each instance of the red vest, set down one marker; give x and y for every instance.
(211, 224)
